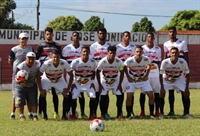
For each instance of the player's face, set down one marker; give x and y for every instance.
(23, 41)
(126, 37)
(30, 61)
(111, 55)
(174, 53)
(138, 52)
(48, 36)
(85, 53)
(55, 58)
(102, 35)
(150, 38)
(75, 37)
(172, 34)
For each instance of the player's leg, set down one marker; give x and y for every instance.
(142, 102)
(82, 105)
(55, 102)
(104, 100)
(119, 104)
(171, 99)
(130, 89)
(96, 103)
(66, 105)
(92, 94)
(13, 108)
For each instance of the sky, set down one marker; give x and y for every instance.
(50, 9)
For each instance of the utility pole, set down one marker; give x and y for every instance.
(38, 14)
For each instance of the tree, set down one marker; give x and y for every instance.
(68, 23)
(143, 26)
(185, 20)
(92, 24)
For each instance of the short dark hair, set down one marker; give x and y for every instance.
(174, 48)
(138, 47)
(75, 33)
(151, 33)
(101, 29)
(55, 51)
(48, 29)
(112, 48)
(85, 47)
(172, 28)
(125, 33)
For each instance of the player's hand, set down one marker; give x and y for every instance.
(100, 88)
(19, 81)
(73, 87)
(92, 86)
(145, 78)
(162, 93)
(65, 92)
(187, 93)
(43, 93)
(120, 88)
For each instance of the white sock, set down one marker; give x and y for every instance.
(34, 114)
(12, 113)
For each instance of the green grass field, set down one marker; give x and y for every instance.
(175, 126)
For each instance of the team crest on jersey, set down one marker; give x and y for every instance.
(104, 61)
(109, 44)
(132, 45)
(117, 61)
(166, 63)
(43, 44)
(146, 59)
(181, 62)
(92, 60)
(61, 63)
(49, 65)
(157, 47)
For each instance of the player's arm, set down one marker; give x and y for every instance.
(186, 57)
(71, 78)
(121, 77)
(39, 51)
(38, 77)
(11, 58)
(162, 90)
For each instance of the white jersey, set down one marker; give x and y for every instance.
(137, 70)
(155, 56)
(109, 71)
(180, 44)
(70, 53)
(171, 72)
(98, 51)
(55, 73)
(83, 71)
(125, 52)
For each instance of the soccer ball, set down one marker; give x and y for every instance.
(97, 125)
(22, 75)
(70, 113)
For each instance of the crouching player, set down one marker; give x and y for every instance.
(27, 90)
(137, 69)
(84, 74)
(107, 73)
(53, 70)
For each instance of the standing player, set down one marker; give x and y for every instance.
(171, 76)
(71, 52)
(54, 69)
(18, 55)
(43, 53)
(154, 53)
(124, 51)
(27, 90)
(84, 71)
(137, 69)
(110, 75)
(98, 50)
(183, 53)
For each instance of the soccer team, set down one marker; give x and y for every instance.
(96, 70)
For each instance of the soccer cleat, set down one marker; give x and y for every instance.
(171, 113)
(107, 116)
(64, 118)
(142, 114)
(92, 117)
(161, 116)
(102, 117)
(157, 114)
(152, 117)
(120, 117)
(84, 116)
(45, 118)
(22, 118)
(30, 116)
(72, 117)
(188, 116)
(35, 118)
(12, 117)
(56, 116)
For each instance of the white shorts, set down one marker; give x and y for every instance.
(112, 88)
(143, 86)
(83, 88)
(179, 84)
(155, 84)
(59, 86)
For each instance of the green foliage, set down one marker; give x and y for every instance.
(68, 23)
(170, 126)
(92, 24)
(185, 20)
(144, 25)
